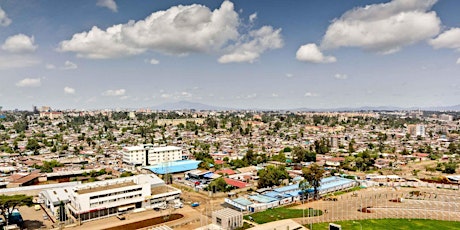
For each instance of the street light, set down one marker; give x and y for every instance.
(354, 222)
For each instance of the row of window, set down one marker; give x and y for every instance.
(115, 193)
(95, 204)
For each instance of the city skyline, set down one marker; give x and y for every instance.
(233, 54)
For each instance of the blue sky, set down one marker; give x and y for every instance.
(272, 54)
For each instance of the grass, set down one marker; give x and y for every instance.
(398, 224)
(275, 214)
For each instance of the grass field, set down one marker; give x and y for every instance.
(400, 224)
(280, 214)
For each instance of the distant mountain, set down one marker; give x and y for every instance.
(181, 105)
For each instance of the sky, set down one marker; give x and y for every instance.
(265, 54)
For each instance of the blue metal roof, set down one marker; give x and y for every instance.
(287, 188)
(262, 198)
(242, 201)
(276, 195)
(174, 167)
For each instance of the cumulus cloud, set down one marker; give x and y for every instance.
(29, 82)
(69, 65)
(384, 28)
(19, 43)
(341, 76)
(154, 61)
(252, 17)
(179, 30)
(258, 41)
(458, 61)
(69, 90)
(449, 39)
(114, 92)
(4, 20)
(109, 4)
(311, 53)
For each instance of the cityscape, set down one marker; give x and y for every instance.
(214, 115)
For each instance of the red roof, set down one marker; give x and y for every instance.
(225, 171)
(218, 162)
(235, 183)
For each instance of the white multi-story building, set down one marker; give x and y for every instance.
(110, 197)
(149, 155)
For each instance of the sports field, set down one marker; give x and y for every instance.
(384, 224)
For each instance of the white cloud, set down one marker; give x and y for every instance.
(19, 43)
(310, 94)
(311, 53)
(289, 75)
(114, 92)
(165, 95)
(69, 65)
(458, 61)
(154, 61)
(4, 20)
(257, 42)
(109, 4)
(275, 95)
(385, 27)
(69, 90)
(448, 39)
(50, 66)
(179, 30)
(185, 94)
(17, 61)
(341, 76)
(252, 17)
(29, 82)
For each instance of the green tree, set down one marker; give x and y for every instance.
(9, 203)
(313, 174)
(271, 176)
(304, 186)
(218, 185)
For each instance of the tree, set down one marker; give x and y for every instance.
(271, 176)
(304, 186)
(9, 203)
(313, 175)
(218, 185)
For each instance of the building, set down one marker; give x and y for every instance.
(51, 115)
(149, 155)
(416, 130)
(227, 218)
(102, 199)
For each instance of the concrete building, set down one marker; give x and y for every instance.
(227, 218)
(102, 199)
(149, 155)
(416, 130)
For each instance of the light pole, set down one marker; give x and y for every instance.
(354, 222)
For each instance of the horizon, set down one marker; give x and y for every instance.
(264, 55)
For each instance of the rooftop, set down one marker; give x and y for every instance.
(104, 187)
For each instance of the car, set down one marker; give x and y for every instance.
(121, 217)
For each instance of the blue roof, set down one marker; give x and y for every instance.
(262, 198)
(287, 188)
(276, 195)
(174, 167)
(242, 201)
